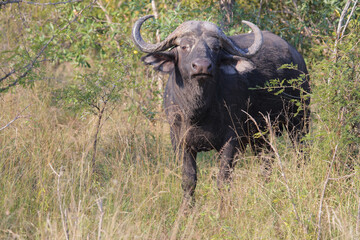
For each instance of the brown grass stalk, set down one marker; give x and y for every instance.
(278, 158)
(358, 219)
(323, 193)
(62, 211)
(99, 203)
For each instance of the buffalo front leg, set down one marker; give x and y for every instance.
(226, 167)
(189, 177)
(226, 163)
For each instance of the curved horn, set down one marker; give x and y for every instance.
(233, 49)
(149, 47)
(258, 38)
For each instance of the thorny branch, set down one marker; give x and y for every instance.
(30, 66)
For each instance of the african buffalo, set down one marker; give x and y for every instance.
(216, 83)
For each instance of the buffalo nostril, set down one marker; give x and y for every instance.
(202, 65)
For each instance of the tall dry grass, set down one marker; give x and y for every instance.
(48, 191)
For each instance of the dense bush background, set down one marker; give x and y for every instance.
(84, 145)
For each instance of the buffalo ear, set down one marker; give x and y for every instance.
(236, 65)
(161, 61)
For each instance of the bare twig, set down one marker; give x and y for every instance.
(36, 3)
(343, 13)
(323, 192)
(339, 33)
(63, 213)
(348, 19)
(16, 118)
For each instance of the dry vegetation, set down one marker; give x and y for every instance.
(47, 190)
(50, 189)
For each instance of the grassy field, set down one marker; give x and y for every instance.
(54, 185)
(48, 190)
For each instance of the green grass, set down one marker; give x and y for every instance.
(139, 183)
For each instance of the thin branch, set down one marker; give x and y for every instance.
(16, 118)
(98, 127)
(338, 30)
(36, 3)
(348, 19)
(7, 75)
(30, 66)
(323, 192)
(108, 19)
(95, 106)
(339, 33)
(343, 13)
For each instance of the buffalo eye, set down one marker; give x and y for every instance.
(216, 48)
(185, 47)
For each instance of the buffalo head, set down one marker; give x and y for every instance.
(198, 50)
